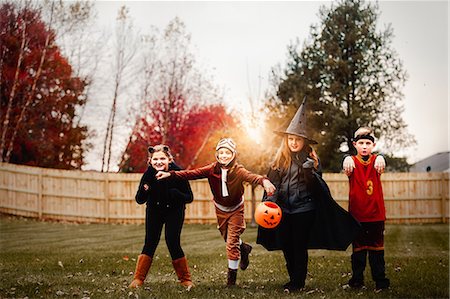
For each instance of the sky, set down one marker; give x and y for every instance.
(240, 42)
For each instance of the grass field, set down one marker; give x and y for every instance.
(61, 260)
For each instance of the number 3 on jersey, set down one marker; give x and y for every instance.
(369, 189)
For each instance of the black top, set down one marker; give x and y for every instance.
(292, 193)
(163, 193)
(333, 228)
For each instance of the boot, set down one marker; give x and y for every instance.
(142, 266)
(181, 268)
(231, 277)
(245, 251)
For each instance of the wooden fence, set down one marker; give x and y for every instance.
(84, 196)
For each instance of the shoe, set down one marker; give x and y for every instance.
(231, 277)
(382, 284)
(355, 284)
(292, 287)
(245, 251)
(381, 287)
(379, 290)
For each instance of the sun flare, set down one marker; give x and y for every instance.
(255, 130)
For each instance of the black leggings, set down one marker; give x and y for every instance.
(155, 219)
(295, 230)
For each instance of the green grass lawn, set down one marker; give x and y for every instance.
(60, 260)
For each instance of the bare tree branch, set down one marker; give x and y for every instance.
(13, 91)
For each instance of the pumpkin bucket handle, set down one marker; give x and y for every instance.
(270, 204)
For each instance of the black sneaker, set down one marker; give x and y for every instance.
(356, 284)
(381, 285)
(245, 251)
(292, 287)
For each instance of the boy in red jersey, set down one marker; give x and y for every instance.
(366, 204)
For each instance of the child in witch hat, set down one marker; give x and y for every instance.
(165, 206)
(311, 218)
(226, 177)
(366, 204)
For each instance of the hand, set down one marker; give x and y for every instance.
(380, 164)
(309, 164)
(313, 155)
(268, 187)
(146, 187)
(162, 175)
(348, 165)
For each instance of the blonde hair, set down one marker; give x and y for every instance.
(364, 131)
(283, 157)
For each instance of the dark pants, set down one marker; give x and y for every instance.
(371, 241)
(173, 219)
(377, 268)
(295, 230)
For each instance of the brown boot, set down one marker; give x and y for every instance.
(245, 251)
(142, 266)
(181, 268)
(231, 278)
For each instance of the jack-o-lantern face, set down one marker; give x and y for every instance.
(268, 214)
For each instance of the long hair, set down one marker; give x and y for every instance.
(283, 158)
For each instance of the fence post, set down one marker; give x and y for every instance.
(253, 223)
(40, 190)
(106, 192)
(443, 199)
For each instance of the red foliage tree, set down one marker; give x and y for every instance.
(39, 96)
(189, 135)
(199, 142)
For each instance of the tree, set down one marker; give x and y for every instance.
(39, 96)
(79, 40)
(124, 53)
(178, 104)
(192, 140)
(351, 77)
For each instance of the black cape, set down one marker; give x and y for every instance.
(334, 228)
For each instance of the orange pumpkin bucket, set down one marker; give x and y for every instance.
(268, 214)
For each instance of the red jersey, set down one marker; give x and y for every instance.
(366, 202)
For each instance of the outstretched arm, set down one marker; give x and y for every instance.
(348, 165)
(274, 177)
(268, 187)
(252, 178)
(194, 174)
(162, 175)
(380, 164)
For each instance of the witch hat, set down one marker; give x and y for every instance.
(298, 124)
